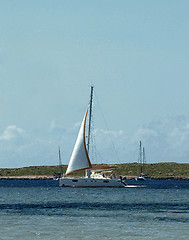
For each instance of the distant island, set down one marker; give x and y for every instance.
(162, 171)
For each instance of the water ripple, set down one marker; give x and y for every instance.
(98, 205)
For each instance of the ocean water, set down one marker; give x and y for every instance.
(40, 209)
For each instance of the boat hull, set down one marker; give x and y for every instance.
(90, 182)
(143, 178)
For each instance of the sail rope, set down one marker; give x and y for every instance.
(107, 128)
(95, 156)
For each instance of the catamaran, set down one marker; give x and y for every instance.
(80, 161)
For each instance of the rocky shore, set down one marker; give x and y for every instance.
(26, 178)
(51, 178)
(161, 178)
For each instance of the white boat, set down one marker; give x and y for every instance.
(80, 161)
(142, 176)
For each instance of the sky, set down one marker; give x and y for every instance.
(135, 53)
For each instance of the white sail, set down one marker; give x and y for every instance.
(79, 159)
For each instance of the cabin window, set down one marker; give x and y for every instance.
(74, 180)
(106, 181)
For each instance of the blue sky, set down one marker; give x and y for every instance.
(135, 53)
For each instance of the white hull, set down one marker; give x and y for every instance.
(90, 182)
(142, 178)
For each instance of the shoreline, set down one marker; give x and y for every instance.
(26, 178)
(51, 178)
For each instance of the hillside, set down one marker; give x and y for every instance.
(156, 170)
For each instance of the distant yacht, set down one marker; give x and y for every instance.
(141, 163)
(80, 160)
(58, 175)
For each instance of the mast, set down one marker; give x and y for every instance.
(89, 129)
(144, 161)
(140, 158)
(60, 162)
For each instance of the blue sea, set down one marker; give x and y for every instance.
(40, 209)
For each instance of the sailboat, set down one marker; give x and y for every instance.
(80, 160)
(58, 175)
(142, 176)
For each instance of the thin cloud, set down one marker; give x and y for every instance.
(55, 127)
(11, 132)
(144, 133)
(106, 132)
(166, 139)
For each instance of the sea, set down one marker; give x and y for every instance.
(41, 210)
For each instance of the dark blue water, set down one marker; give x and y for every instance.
(40, 209)
(164, 184)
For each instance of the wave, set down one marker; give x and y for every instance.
(98, 205)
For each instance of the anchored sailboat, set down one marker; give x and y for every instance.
(80, 161)
(58, 175)
(142, 176)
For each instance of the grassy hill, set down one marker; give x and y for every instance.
(156, 170)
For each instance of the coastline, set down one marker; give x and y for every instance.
(26, 178)
(162, 178)
(157, 171)
(51, 178)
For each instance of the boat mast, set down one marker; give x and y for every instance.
(140, 158)
(89, 129)
(60, 162)
(144, 161)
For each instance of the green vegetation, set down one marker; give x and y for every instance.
(156, 170)
(31, 171)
